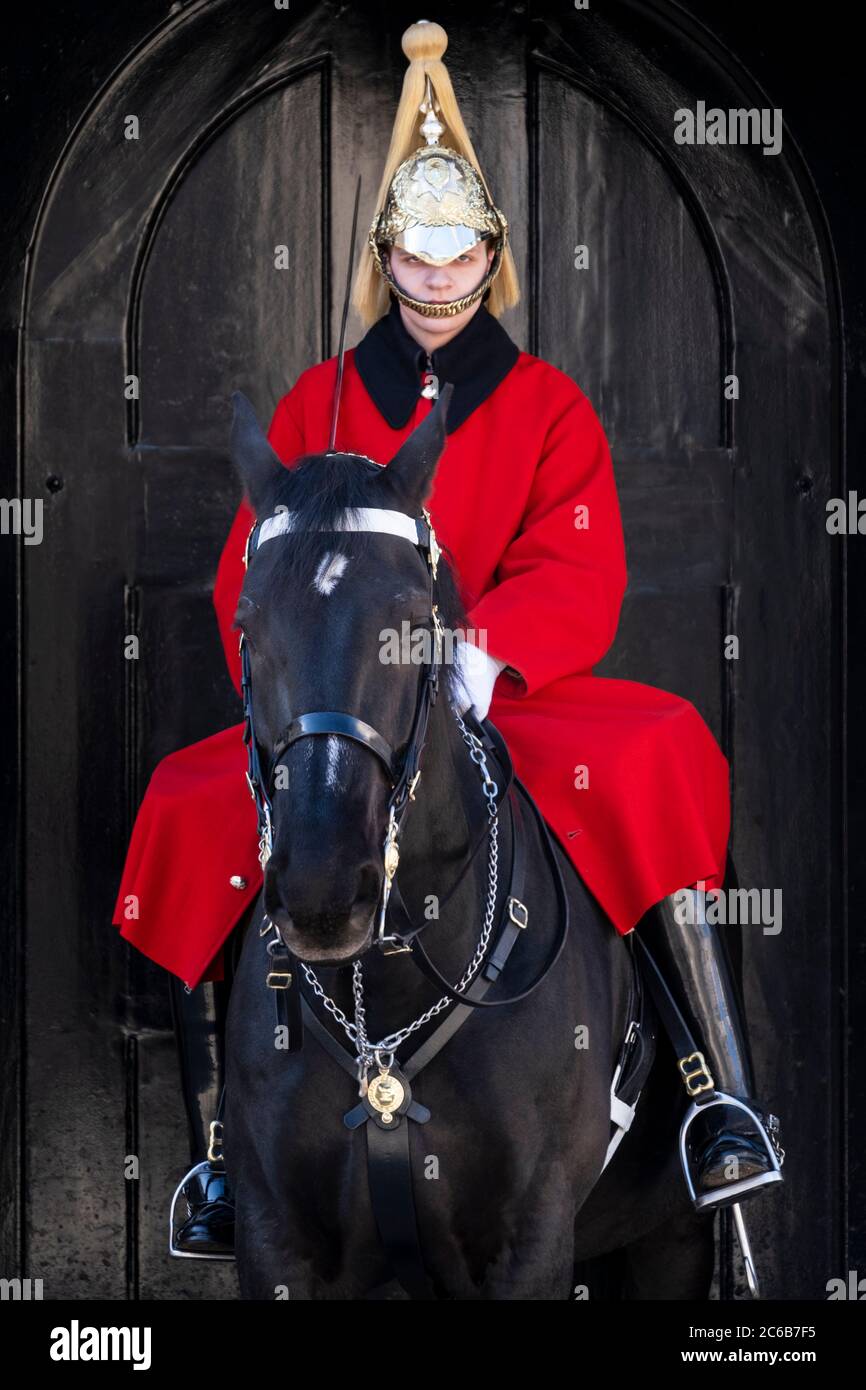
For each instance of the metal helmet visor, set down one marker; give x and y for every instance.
(438, 245)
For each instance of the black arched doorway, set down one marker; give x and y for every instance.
(154, 258)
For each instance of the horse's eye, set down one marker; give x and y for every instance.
(246, 611)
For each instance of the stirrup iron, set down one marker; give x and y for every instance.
(724, 1196)
(212, 1164)
(203, 1167)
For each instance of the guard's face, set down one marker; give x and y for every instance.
(437, 284)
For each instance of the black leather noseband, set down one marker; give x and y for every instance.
(336, 722)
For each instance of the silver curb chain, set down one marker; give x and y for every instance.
(382, 1053)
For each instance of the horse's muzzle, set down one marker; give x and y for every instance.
(323, 924)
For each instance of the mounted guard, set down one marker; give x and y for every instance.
(648, 835)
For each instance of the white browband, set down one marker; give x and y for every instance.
(368, 519)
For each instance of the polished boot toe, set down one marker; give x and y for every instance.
(210, 1225)
(728, 1154)
(729, 1151)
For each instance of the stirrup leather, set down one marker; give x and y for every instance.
(768, 1133)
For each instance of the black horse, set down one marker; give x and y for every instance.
(511, 1194)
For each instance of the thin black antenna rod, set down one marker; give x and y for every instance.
(339, 385)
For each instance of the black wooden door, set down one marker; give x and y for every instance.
(155, 290)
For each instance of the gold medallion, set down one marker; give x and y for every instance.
(385, 1093)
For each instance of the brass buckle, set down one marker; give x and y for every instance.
(216, 1141)
(515, 902)
(692, 1079)
(275, 975)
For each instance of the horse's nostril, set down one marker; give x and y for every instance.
(368, 883)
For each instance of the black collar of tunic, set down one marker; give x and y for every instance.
(390, 363)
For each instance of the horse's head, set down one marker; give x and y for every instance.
(335, 620)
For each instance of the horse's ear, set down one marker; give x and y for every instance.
(413, 467)
(258, 467)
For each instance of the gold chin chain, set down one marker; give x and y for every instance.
(423, 306)
(437, 311)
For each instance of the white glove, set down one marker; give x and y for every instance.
(477, 671)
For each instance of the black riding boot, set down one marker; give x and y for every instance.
(199, 1024)
(729, 1151)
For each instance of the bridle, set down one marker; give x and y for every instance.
(404, 779)
(387, 1105)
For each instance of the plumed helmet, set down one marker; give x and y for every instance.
(433, 202)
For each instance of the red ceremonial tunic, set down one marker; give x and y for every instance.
(629, 777)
